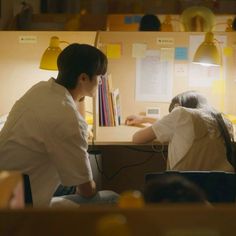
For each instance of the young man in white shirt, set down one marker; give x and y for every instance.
(46, 137)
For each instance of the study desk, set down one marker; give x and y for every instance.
(125, 164)
(117, 135)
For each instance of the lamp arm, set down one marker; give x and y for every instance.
(221, 23)
(97, 38)
(65, 42)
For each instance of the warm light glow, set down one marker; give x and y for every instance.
(207, 53)
(49, 58)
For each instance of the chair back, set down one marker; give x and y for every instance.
(27, 191)
(219, 187)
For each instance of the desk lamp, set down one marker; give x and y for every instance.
(49, 58)
(207, 53)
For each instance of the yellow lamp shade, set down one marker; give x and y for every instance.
(49, 58)
(207, 53)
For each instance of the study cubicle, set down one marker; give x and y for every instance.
(148, 68)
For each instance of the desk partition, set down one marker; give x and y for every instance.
(171, 53)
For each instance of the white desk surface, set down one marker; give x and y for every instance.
(118, 135)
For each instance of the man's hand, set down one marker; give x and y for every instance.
(87, 189)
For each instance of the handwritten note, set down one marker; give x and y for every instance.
(139, 50)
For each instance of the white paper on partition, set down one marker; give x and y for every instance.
(203, 76)
(154, 75)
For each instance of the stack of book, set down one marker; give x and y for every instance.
(109, 103)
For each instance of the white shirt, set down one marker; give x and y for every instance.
(194, 140)
(46, 138)
(176, 129)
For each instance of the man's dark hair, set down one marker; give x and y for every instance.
(150, 22)
(76, 59)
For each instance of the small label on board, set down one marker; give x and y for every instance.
(27, 39)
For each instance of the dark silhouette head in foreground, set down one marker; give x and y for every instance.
(150, 22)
(234, 24)
(173, 189)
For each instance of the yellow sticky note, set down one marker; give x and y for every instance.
(218, 86)
(231, 117)
(228, 51)
(139, 50)
(114, 51)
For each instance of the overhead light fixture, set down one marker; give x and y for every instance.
(49, 58)
(207, 53)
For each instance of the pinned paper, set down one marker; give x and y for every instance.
(167, 54)
(181, 70)
(181, 53)
(114, 51)
(218, 86)
(139, 50)
(228, 51)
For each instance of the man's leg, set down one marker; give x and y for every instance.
(101, 197)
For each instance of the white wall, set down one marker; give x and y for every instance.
(19, 62)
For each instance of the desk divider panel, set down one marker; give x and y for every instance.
(20, 60)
